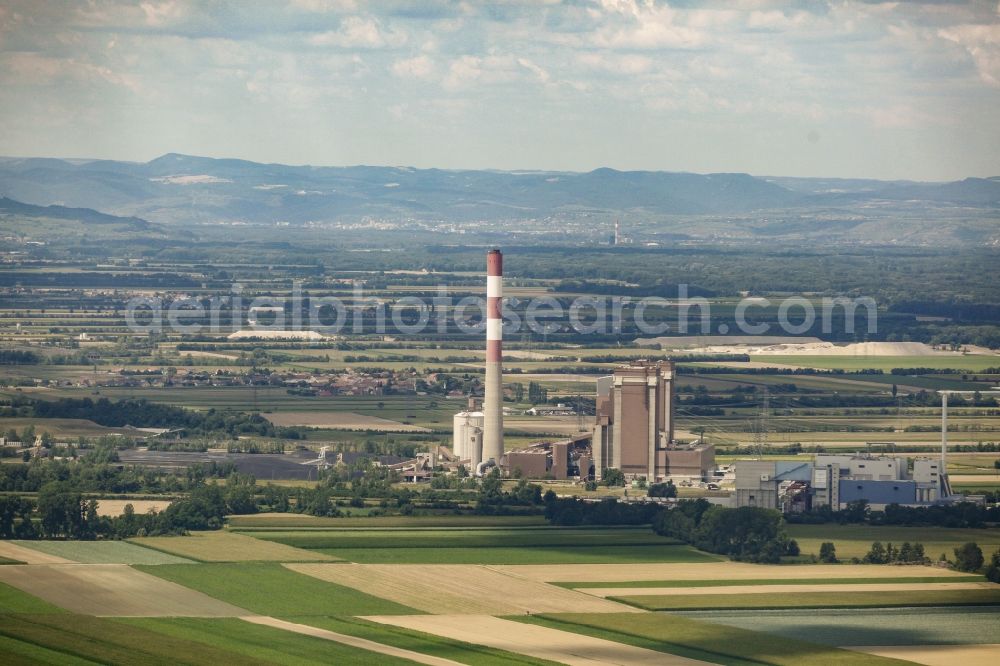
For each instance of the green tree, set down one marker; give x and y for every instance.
(993, 570)
(827, 553)
(667, 489)
(969, 557)
(614, 477)
(876, 555)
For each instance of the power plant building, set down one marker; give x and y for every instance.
(634, 429)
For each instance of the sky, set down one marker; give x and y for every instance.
(907, 90)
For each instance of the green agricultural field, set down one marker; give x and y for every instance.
(482, 538)
(271, 589)
(903, 626)
(81, 639)
(530, 545)
(856, 540)
(13, 600)
(700, 640)
(252, 643)
(522, 555)
(294, 520)
(103, 552)
(61, 429)
(973, 578)
(900, 598)
(446, 648)
(222, 546)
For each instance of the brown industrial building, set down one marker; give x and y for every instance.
(634, 431)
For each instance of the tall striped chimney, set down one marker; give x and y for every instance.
(493, 402)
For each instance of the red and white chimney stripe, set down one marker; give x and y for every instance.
(494, 293)
(493, 401)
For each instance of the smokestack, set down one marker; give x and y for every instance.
(493, 401)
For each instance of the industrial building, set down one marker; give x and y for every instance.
(838, 480)
(564, 459)
(634, 429)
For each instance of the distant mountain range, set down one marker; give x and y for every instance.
(184, 189)
(84, 215)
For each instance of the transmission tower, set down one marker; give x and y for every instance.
(761, 424)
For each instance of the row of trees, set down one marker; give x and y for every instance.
(889, 554)
(962, 514)
(65, 513)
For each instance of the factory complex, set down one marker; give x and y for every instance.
(633, 433)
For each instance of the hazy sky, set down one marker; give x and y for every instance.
(887, 90)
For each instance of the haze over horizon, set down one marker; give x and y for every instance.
(809, 89)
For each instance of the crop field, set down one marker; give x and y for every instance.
(448, 589)
(903, 626)
(469, 538)
(701, 640)
(116, 507)
(60, 428)
(427, 643)
(635, 584)
(845, 599)
(856, 540)
(272, 589)
(25, 555)
(602, 574)
(520, 555)
(937, 655)
(538, 641)
(112, 590)
(80, 639)
(489, 546)
(781, 588)
(221, 546)
(341, 420)
(284, 521)
(13, 600)
(102, 552)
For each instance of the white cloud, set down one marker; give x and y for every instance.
(359, 32)
(982, 42)
(419, 67)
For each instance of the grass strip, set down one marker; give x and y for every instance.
(771, 581)
(520, 555)
(898, 599)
